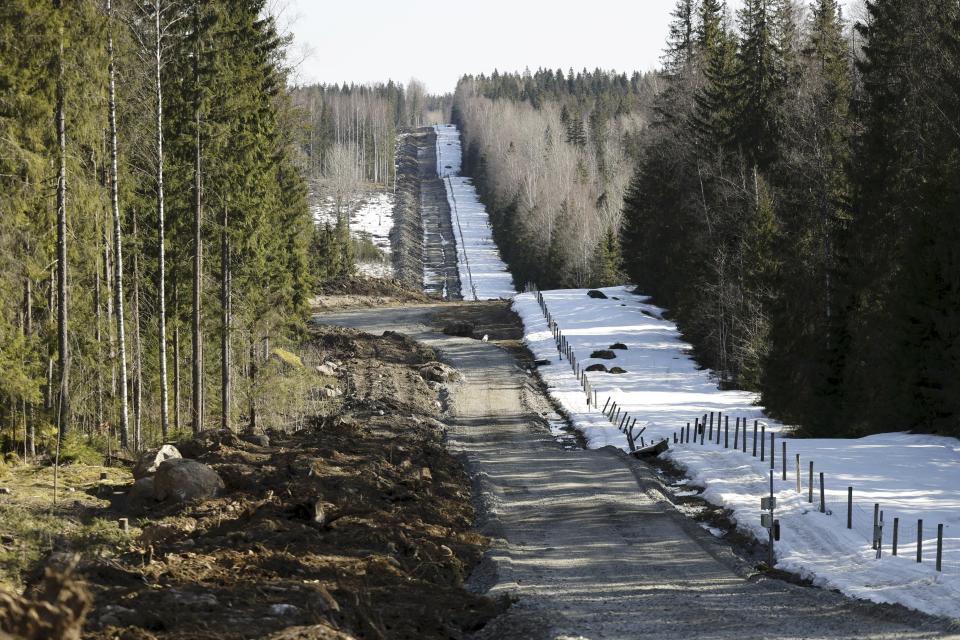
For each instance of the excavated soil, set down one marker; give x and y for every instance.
(359, 526)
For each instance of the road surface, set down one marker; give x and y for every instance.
(587, 545)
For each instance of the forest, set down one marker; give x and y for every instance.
(790, 182)
(154, 231)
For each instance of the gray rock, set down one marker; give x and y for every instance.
(180, 479)
(599, 295)
(150, 460)
(439, 372)
(326, 370)
(255, 438)
(603, 354)
(142, 492)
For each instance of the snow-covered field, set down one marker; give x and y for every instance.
(910, 476)
(483, 275)
(371, 215)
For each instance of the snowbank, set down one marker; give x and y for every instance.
(483, 275)
(911, 476)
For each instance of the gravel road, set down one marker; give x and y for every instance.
(586, 543)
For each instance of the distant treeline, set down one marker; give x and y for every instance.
(797, 207)
(550, 154)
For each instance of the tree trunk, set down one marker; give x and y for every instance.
(161, 277)
(63, 405)
(176, 357)
(226, 319)
(137, 345)
(117, 241)
(197, 346)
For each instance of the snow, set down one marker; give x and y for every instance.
(483, 275)
(371, 215)
(911, 476)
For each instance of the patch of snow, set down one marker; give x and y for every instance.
(371, 216)
(911, 476)
(483, 275)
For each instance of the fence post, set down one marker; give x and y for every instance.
(606, 404)
(850, 508)
(783, 459)
(810, 480)
(823, 501)
(773, 452)
(920, 540)
(726, 432)
(710, 435)
(754, 438)
(939, 547)
(736, 433)
(763, 442)
(799, 490)
(896, 533)
(876, 519)
(703, 432)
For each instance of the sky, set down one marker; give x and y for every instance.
(435, 41)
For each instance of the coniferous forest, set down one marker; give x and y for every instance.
(793, 199)
(153, 217)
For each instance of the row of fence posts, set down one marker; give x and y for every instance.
(703, 427)
(613, 412)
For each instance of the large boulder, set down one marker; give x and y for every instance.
(150, 460)
(181, 479)
(599, 295)
(256, 438)
(141, 494)
(603, 354)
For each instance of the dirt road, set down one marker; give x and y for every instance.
(585, 542)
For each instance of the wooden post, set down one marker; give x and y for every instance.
(718, 430)
(688, 433)
(849, 507)
(783, 459)
(823, 501)
(622, 420)
(630, 441)
(763, 442)
(736, 433)
(124, 524)
(939, 547)
(675, 437)
(606, 404)
(773, 452)
(799, 490)
(710, 436)
(876, 521)
(595, 403)
(896, 534)
(726, 432)
(754, 438)
(810, 488)
(920, 540)
(703, 431)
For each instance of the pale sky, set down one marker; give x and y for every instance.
(364, 41)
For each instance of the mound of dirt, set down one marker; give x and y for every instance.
(57, 610)
(358, 526)
(358, 291)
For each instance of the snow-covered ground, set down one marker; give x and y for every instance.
(483, 275)
(910, 476)
(371, 216)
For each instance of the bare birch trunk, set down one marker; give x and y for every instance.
(117, 241)
(161, 289)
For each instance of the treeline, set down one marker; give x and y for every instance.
(796, 207)
(550, 155)
(153, 224)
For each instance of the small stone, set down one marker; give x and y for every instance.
(283, 610)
